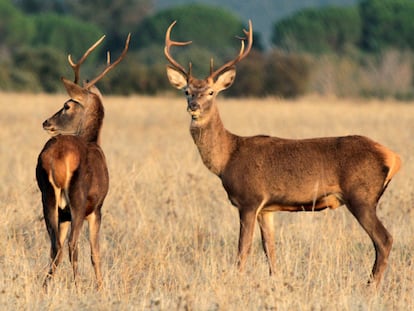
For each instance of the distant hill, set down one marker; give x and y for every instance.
(263, 13)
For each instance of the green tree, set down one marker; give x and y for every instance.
(115, 18)
(212, 30)
(319, 30)
(37, 6)
(65, 34)
(38, 69)
(15, 28)
(387, 23)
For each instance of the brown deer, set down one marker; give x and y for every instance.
(71, 172)
(263, 174)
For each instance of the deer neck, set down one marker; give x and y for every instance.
(215, 144)
(91, 126)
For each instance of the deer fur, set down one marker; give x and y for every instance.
(263, 174)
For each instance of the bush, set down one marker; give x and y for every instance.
(39, 69)
(287, 75)
(250, 77)
(272, 74)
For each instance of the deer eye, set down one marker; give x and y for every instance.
(211, 93)
(187, 93)
(66, 106)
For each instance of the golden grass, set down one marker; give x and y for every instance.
(169, 234)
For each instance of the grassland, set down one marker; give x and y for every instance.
(169, 234)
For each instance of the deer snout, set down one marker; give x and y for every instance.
(46, 124)
(193, 106)
(49, 127)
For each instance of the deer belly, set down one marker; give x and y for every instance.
(331, 201)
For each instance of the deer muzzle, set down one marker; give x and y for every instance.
(193, 109)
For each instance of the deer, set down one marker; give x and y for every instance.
(263, 174)
(71, 170)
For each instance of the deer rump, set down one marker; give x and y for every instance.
(306, 175)
(61, 163)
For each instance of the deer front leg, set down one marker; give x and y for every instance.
(265, 220)
(247, 223)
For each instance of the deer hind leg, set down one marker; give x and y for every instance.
(381, 238)
(51, 216)
(77, 211)
(265, 220)
(247, 223)
(94, 223)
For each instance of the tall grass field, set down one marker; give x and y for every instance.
(169, 234)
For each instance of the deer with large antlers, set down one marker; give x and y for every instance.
(263, 174)
(71, 171)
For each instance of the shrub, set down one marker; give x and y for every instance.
(287, 75)
(38, 66)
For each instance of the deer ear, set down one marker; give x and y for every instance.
(225, 79)
(74, 91)
(176, 77)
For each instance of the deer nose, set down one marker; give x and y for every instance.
(193, 106)
(46, 124)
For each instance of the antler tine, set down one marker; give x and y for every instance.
(76, 67)
(242, 54)
(110, 66)
(168, 44)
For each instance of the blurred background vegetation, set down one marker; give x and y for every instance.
(337, 47)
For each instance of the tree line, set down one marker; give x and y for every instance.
(342, 50)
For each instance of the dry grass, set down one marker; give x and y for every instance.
(169, 234)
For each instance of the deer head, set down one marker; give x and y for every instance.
(201, 94)
(83, 113)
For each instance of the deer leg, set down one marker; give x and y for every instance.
(265, 220)
(94, 223)
(247, 223)
(63, 232)
(50, 212)
(381, 238)
(77, 221)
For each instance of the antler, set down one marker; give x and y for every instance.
(168, 44)
(76, 67)
(242, 54)
(110, 66)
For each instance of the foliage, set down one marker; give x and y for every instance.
(208, 27)
(134, 76)
(250, 77)
(319, 30)
(274, 73)
(64, 33)
(115, 18)
(346, 51)
(43, 64)
(387, 23)
(15, 28)
(38, 6)
(287, 75)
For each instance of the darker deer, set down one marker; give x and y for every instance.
(71, 171)
(263, 174)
